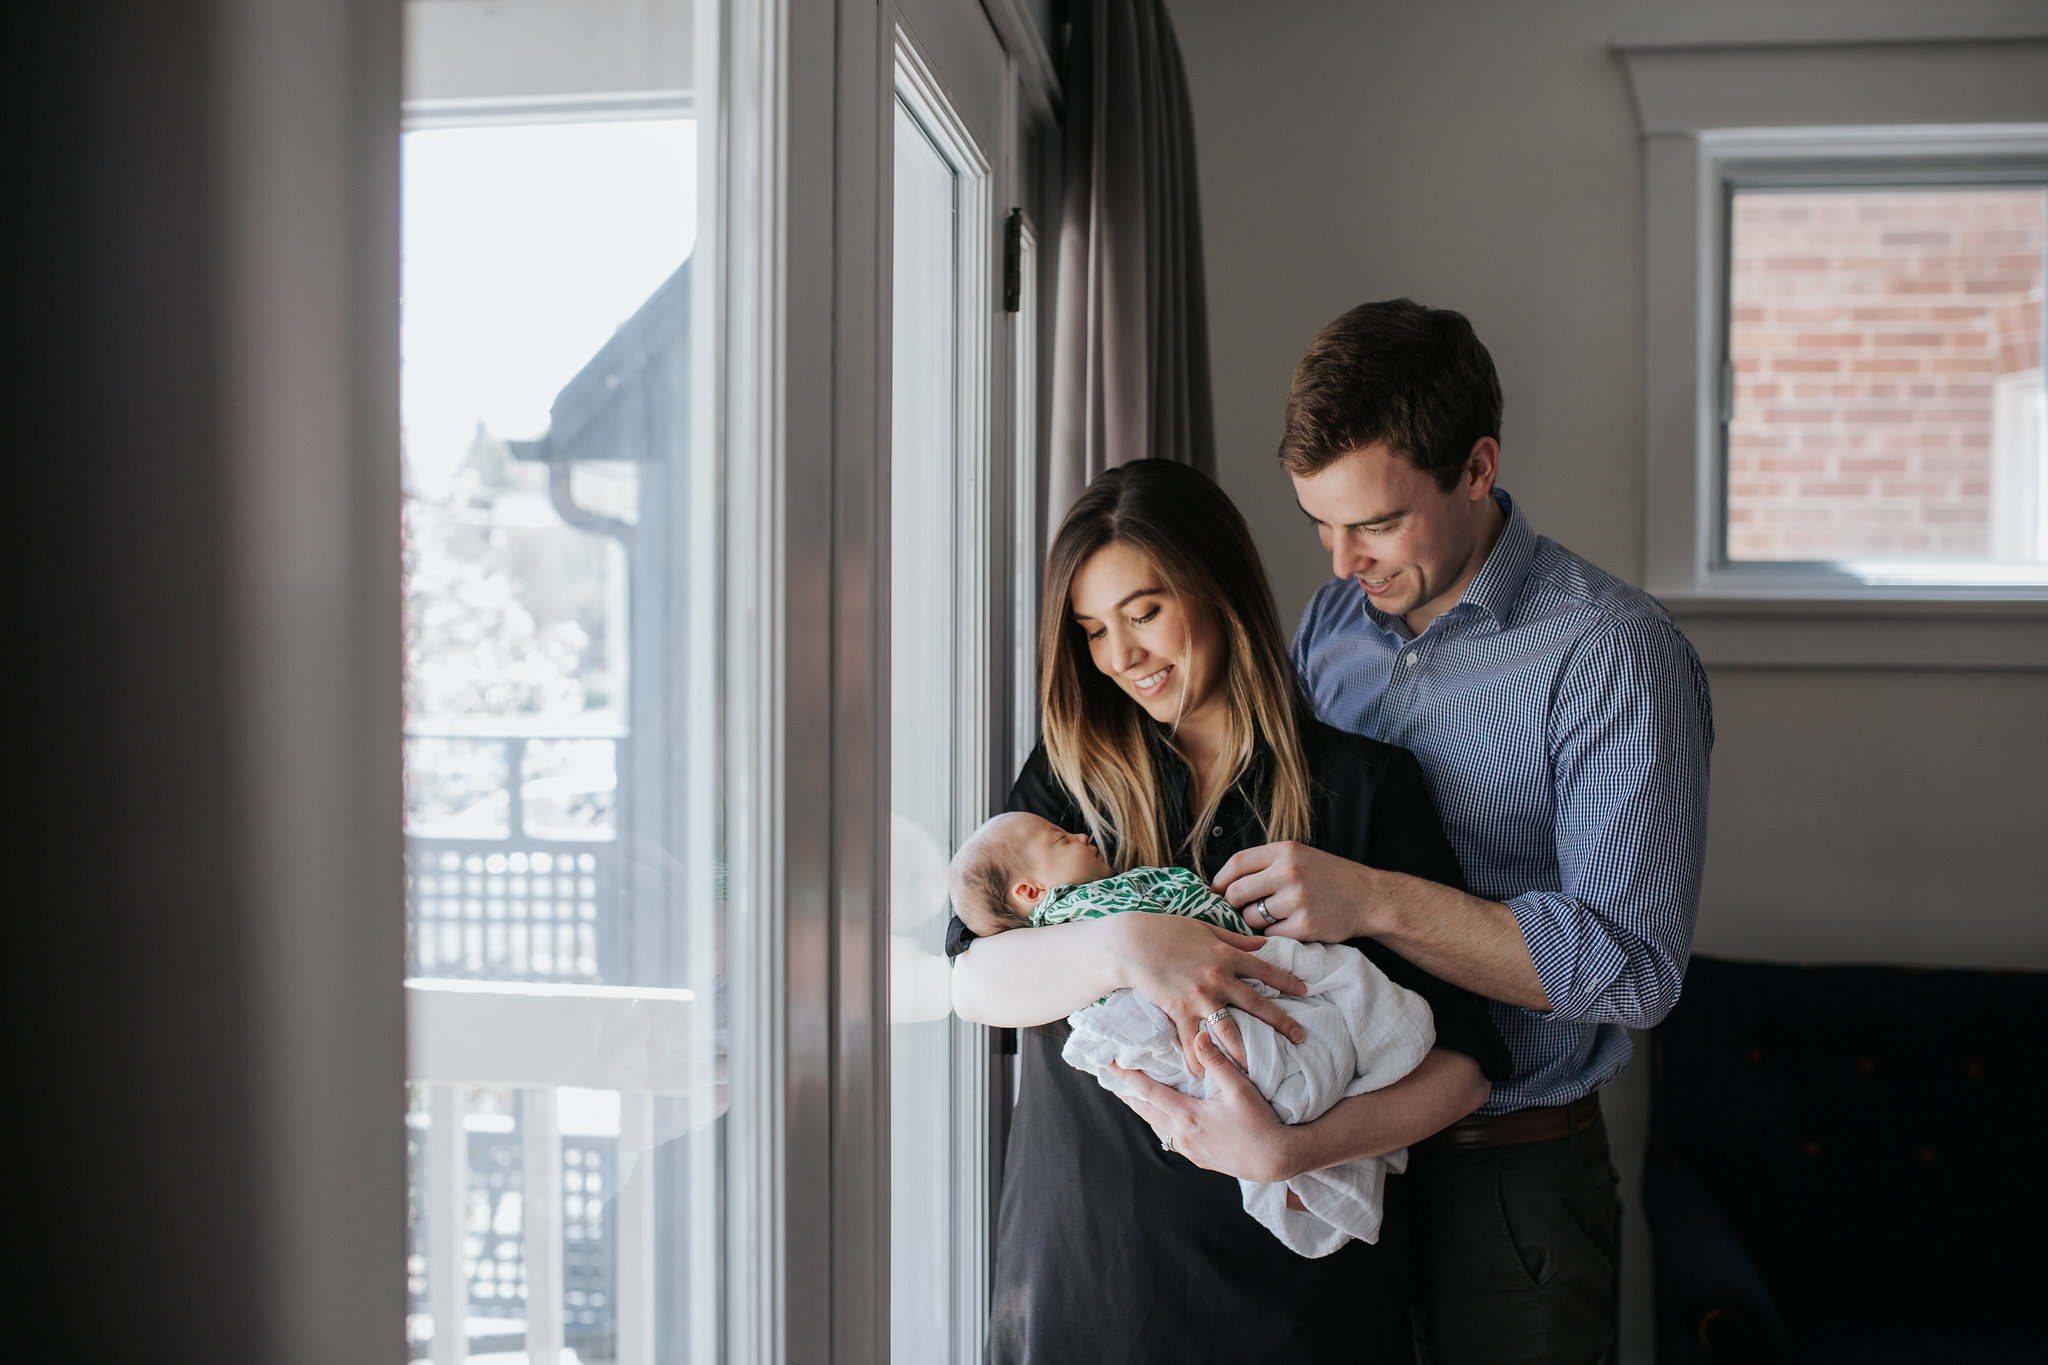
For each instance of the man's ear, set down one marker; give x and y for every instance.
(1028, 892)
(1482, 466)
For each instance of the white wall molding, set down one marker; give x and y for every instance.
(1692, 85)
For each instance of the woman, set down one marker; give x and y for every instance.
(1174, 733)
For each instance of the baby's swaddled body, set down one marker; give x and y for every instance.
(1361, 1033)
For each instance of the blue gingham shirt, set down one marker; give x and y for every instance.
(1564, 723)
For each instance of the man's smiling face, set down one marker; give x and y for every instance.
(1412, 546)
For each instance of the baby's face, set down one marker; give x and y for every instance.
(1049, 856)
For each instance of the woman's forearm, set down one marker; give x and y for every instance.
(1443, 1089)
(1026, 977)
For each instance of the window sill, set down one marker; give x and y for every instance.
(1919, 632)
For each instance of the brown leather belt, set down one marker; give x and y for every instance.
(1523, 1125)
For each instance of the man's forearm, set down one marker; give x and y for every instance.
(1443, 1089)
(1459, 937)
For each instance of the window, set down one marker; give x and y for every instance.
(662, 575)
(1881, 380)
(564, 787)
(1884, 352)
(928, 814)
(1844, 278)
(946, 651)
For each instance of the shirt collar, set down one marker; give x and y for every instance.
(1497, 586)
(1058, 894)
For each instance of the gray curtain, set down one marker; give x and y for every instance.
(1131, 338)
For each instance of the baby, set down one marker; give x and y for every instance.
(1361, 1031)
(1019, 871)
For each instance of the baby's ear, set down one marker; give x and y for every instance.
(1028, 892)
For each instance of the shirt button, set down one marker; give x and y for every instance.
(1216, 833)
(1408, 660)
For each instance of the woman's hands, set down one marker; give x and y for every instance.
(1235, 1131)
(1190, 970)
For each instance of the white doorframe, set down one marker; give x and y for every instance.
(803, 324)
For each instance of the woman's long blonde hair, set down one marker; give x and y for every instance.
(1096, 736)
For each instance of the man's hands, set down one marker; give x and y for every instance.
(1316, 897)
(1190, 970)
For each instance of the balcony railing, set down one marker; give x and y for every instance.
(523, 905)
(584, 1225)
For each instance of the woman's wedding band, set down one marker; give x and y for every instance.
(1271, 918)
(1209, 1019)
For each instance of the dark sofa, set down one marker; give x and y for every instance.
(1846, 1164)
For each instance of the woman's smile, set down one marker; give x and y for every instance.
(1152, 684)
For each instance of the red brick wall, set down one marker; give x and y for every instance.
(1866, 330)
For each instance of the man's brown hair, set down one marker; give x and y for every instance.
(1415, 378)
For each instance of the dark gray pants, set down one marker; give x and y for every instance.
(1516, 1252)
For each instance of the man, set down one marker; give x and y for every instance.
(1565, 726)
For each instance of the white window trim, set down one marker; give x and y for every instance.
(1715, 104)
(802, 321)
(1745, 157)
(771, 1211)
(1026, 544)
(975, 629)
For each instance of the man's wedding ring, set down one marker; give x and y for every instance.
(1209, 1019)
(1271, 918)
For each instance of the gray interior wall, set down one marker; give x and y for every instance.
(1483, 155)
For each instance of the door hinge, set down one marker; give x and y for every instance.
(1013, 262)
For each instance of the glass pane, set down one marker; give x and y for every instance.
(921, 714)
(1886, 348)
(561, 817)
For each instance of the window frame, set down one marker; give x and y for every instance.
(1884, 104)
(1733, 160)
(977, 629)
(805, 312)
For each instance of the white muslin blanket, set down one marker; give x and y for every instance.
(1361, 1031)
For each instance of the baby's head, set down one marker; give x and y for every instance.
(1006, 867)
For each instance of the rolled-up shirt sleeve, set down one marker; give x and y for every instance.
(1631, 732)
